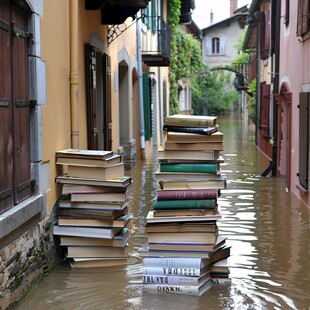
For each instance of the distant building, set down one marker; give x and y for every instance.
(218, 40)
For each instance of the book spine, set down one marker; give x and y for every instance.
(191, 122)
(173, 289)
(220, 281)
(170, 271)
(170, 280)
(180, 262)
(184, 204)
(193, 167)
(186, 129)
(187, 194)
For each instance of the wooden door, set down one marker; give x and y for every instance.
(107, 126)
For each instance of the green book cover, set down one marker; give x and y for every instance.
(184, 204)
(189, 167)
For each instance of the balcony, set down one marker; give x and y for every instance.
(161, 56)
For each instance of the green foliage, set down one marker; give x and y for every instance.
(251, 102)
(240, 40)
(186, 59)
(209, 95)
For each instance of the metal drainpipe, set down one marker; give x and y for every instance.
(74, 74)
(140, 88)
(276, 84)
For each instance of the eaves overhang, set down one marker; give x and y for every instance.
(115, 12)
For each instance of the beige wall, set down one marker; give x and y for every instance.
(56, 52)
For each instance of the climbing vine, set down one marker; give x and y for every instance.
(186, 60)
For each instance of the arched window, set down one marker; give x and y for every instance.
(215, 45)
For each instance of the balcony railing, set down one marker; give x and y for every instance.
(161, 56)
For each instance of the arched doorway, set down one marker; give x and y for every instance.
(284, 101)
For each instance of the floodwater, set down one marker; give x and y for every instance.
(267, 228)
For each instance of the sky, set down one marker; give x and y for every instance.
(220, 9)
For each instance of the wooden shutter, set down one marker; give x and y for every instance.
(107, 117)
(91, 96)
(302, 17)
(6, 111)
(264, 121)
(303, 139)
(21, 106)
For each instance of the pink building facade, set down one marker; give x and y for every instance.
(294, 97)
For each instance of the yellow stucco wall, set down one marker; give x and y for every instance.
(55, 51)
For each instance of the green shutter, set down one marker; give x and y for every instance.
(146, 105)
(153, 16)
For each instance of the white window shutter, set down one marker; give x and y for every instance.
(222, 46)
(208, 46)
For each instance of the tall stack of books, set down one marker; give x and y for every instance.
(183, 239)
(93, 211)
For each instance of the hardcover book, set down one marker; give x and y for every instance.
(97, 251)
(218, 184)
(176, 280)
(197, 146)
(188, 194)
(73, 188)
(97, 214)
(185, 155)
(191, 120)
(188, 247)
(210, 216)
(121, 221)
(182, 227)
(195, 290)
(87, 154)
(120, 240)
(189, 238)
(109, 161)
(190, 176)
(122, 181)
(189, 129)
(183, 137)
(194, 167)
(92, 172)
(92, 232)
(100, 262)
(100, 197)
(184, 204)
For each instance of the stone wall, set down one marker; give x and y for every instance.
(24, 261)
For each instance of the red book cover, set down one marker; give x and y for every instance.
(187, 194)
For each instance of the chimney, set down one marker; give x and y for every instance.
(233, 6)
(211, 17)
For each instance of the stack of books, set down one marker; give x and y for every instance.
(93, 211)
(183, 242)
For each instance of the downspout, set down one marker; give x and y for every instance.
(74, 74)
(140, 87)
(276, 84)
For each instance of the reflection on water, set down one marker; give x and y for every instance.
(267, 228)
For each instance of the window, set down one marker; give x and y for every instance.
(303, 17)
(215, 45)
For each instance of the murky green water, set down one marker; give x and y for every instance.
(267, 228)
